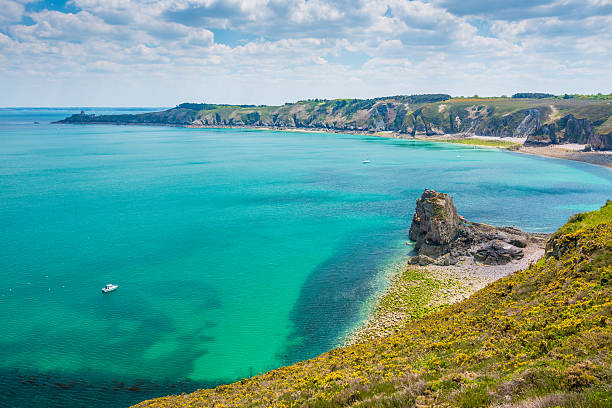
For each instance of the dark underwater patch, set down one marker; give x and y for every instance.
(331, 299)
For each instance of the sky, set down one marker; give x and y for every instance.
(164, 52)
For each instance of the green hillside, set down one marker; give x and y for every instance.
(541, 337)
(577, 119)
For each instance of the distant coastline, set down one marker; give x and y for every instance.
(569, 127)
(599, 158)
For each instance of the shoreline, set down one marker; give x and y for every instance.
(413, 292)
(598, 158)
(603, 159)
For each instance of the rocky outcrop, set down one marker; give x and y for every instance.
(570, 129)
(435, 224)
(580, 130)
(599, 141)
(498, 253)
(529, 125)
(544, 136)
(576, 130)
(442, 236)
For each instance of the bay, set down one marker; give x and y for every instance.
(236, 251)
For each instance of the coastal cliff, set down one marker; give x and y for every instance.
(537, 121)
(539, 337)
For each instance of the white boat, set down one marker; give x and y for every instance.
(109, 288)
(365, 161)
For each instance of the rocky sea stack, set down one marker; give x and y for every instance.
(443, 237)
(436, 224)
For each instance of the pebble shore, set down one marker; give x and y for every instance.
(415, 291)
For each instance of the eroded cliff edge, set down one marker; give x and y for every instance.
(537, 122)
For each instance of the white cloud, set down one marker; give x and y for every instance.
(200, 37)
(12, 12)
(54, 25)
(305, 12)
(397, 46)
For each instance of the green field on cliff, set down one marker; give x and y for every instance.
(435, 113)
(541, 337)
(577, 119)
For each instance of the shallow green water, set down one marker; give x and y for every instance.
(236, 251)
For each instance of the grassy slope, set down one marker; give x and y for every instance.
(542, 335)
(496, 112)
(480, 142)
(492, 116)
(413, 293)
(605, 127)
(507, 113)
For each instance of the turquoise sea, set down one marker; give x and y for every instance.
(235, 251)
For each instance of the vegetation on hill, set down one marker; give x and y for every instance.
(575, 119)
(540, 337)
(483, 142)
(535, 95)
(580, 96)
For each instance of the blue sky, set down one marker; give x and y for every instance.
(163, 52)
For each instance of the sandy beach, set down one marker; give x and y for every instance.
(570, 152)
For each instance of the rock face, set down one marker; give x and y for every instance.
(435, 224)
(569, 129)
(530, 125)
(442, 236)
(545, 135)
(497, 253)
(599, 141)
(576, 130)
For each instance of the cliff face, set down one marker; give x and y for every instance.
(435, 224)
(529, 125)
(539, 121)
(570, 129)
(601, 142)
